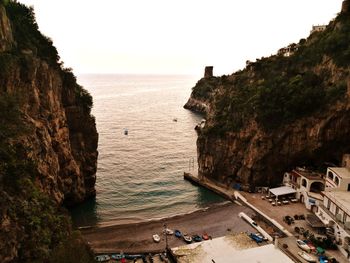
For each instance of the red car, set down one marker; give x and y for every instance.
(310, 245)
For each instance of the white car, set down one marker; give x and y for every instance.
(303, 245)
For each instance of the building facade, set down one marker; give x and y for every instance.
(308, 185)
(318, 28)
(334, 212)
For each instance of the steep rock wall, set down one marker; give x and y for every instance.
(6, 37)
(58, 135)
(254, 157)
(63, 138)
(279, 112)
(197, 105)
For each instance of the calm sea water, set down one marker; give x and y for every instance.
(140, 175)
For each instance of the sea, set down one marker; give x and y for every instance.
(146, 142)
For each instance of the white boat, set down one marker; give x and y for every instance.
(307, 257)
(187, 238)
(156, 238)
(102, 258)
(168, 231)
(303, 245)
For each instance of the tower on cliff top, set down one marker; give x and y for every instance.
(208, 72)
(346, 161)
(345, 8)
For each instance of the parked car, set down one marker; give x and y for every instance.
(288, 219)
(311, 246)
(303, 245)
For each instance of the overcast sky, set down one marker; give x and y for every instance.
(175, 37)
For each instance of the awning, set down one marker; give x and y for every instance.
(283, 190)
(314, 221)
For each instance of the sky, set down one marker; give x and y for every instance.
(174, 36)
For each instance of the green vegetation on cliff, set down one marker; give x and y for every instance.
(38, 224)
(29, 40)
(27, 35)
(278, 90)
(34, 228)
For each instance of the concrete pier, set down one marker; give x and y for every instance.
(227, 194)
(233, 195)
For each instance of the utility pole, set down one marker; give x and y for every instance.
(166, 240)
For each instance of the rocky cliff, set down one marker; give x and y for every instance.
(279, 112)
(49, 149)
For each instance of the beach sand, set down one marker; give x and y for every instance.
(218, 220)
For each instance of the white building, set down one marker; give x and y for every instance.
(318, 28)
(338, 177)
(308, 186)
(229, 249)
(335, 209)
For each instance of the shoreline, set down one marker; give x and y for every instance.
(138, 221)
(219, 220)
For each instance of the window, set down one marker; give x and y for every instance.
(336, 180)
(330, 175)
(304, 183)
(348, 187)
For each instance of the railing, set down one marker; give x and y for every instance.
(343, 208)
(325, 209)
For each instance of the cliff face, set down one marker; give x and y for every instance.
(254, 157)
(6, 38)
(63, 137)
(203, 93)
(51, 160)
(279, 112)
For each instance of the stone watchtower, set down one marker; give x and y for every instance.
(345, 8)
(208, 72)
(346, 161)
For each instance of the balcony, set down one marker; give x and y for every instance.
(335, 219)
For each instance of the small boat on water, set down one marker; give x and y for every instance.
(126, 131)
(187, 238)
(156, 238)
(175, 119)
(102, 258)
(178, 233)
(307, 257)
